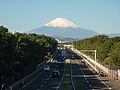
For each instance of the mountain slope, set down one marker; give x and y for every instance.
(63, 28)
(114, 35)
(78, 33)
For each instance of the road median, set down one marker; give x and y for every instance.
(66, 83)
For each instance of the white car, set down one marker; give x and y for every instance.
(47, 68)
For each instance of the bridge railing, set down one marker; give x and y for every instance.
(93, 62)
(97, 66)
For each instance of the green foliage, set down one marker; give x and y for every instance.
(108, 48)
(21, 52)
(3, 30)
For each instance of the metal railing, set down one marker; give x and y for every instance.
(26, 79)
(111, 72)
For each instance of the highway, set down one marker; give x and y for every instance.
(43, 80)
(82, 77)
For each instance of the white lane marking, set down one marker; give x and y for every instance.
(84, 76)
(42, 65)
(72, 79)
(47, 78)
(32, 80)
(60, 81)
(90, 85)
(55, 87)
(44, 82)
(87, 82)
(101, 80)
(41, 85)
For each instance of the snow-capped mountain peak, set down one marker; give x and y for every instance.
(61, 23)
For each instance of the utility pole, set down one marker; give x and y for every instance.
(95, 55)
(95, 58)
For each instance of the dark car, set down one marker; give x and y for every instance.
(55, 73)
(83, 62)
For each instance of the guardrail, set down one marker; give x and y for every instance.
(88, 60)
(26, 79)
(95, 64)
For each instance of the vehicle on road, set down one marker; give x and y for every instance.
(55, 73)
(60, 65)
(47, 68)
(83, 62)
(72, 57)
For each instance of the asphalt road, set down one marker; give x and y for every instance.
(82, 77)
(44, 81)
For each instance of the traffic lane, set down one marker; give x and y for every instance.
(28, 78)
(74, 55)
(44, 81)
(53, 83)
(84, 78)
(95, 82)
(39, 79)
(78, 78)
(37, 72)
(38, 83)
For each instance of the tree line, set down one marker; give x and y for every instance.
(20, 53)
(108, 49)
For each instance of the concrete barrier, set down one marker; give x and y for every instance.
(118, 73)
(88, 59)
(94, 64)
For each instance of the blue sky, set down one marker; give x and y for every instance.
(102, 16)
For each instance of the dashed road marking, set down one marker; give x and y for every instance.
(35, 77)
(72, 79)
(87, 82)
(101, 80)
(32, 80)
(44, 81)
(90, 85)
(85, 76)
(41, 85)
(60, 81)
(47, 78)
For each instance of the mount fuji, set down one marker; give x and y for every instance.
(62, 28)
